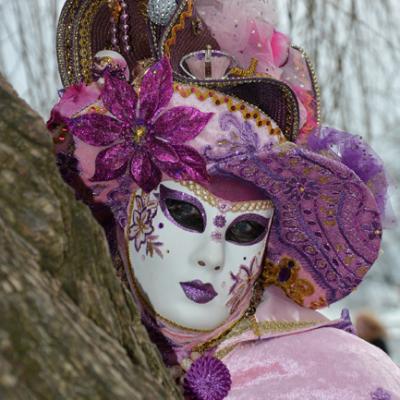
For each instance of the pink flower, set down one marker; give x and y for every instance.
(142, 136)
(268, 46)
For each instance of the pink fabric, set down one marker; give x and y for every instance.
(243, 33)
(245, 30)
(276, 306)
(325, 363)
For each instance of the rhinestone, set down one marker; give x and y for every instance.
(161, 11)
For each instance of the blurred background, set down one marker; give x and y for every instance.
(355, 47)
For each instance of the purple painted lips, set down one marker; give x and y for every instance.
(198, 291)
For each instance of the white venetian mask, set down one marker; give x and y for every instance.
(196, 257)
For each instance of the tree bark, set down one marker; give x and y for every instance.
(68, 327)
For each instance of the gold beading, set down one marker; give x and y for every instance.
(205, 195)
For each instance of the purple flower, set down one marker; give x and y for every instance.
(380, 394)
(207, 379)
(219, 221)
(141, 135)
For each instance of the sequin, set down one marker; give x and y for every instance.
(161, 11)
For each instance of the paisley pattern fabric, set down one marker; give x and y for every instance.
(326, 220)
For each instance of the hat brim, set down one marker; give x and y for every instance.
(326, 232)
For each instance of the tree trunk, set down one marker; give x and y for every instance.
(68, 327)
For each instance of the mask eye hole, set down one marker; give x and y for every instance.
(183, 210)
(185, 214)
(247, 230)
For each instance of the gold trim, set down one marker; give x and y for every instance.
(214, 201)
(232, 104)
(296, 288)
(314, 79)
(260, 328)
(83, 57)
(246, 73)
(177, 28)
(64, 41)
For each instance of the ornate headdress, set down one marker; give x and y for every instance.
(188, 96)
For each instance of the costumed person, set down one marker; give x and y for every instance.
(369, 328)
(192, 131)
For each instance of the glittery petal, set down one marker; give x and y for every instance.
(119, 98)
(164, 152)
(194, 165)
(191, 165)
(156, 89)
(144, 172)
(181, 124)
(96, 129)
(111, 163)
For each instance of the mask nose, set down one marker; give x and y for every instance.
(210, 255)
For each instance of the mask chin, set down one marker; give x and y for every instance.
(197, 278)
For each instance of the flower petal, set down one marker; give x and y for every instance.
(119, 98)
(96, 129)
(144, 172)
(163, 152)
(111, 163)
(156, 89)
(190, 167)
(75, 98)
(180, 124)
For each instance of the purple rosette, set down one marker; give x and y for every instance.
(207, 379)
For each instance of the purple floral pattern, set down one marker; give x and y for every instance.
(220, 221)
(242, 142)
(141, 136)
(118, 199)
(299, 188)
(243, 284)
(216, 236)
(380, 394)
(141, 227)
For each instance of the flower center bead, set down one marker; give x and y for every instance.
(139, 133)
